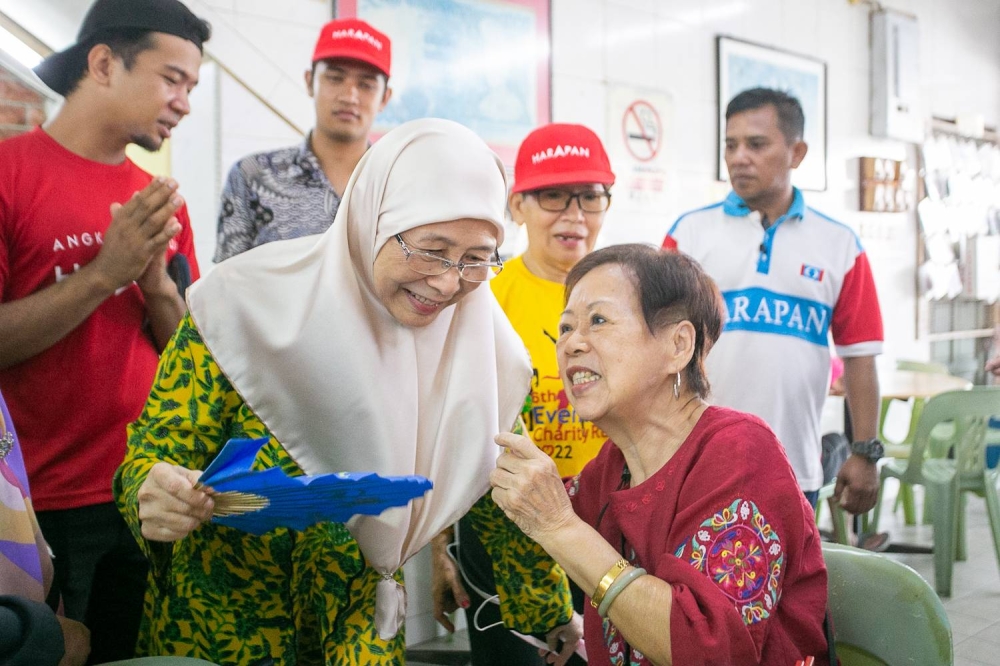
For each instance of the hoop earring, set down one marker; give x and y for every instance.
(677, 386)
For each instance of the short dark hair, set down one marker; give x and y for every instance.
(791, 120)
(128, 43)
(671, 287)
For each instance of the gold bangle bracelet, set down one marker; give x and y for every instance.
(602, 588)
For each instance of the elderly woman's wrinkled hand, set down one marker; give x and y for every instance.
(170, 506)
(527, 486)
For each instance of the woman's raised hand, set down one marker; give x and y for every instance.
(527, 486)
(170, 507)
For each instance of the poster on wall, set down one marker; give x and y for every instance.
(482, 63)
(743, 65)
(638, 120)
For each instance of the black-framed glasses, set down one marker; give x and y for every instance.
(428, 263)
(556, 201)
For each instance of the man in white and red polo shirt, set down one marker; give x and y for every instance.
(791, 277)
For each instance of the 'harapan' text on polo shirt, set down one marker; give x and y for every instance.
(765, 311)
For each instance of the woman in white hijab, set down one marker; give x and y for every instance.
(371, 347)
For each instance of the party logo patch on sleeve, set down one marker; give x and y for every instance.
(741, 553)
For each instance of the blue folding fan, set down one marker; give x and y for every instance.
(259, 501)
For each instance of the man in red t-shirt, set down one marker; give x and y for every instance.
(86, 301)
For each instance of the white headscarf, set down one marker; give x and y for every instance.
(343, 386)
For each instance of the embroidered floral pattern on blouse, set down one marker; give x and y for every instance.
(739, 550)
(618, 650)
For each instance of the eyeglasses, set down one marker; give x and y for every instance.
(427, 263)
(556, 201)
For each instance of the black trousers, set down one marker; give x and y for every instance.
(100, 574)
(495, 646)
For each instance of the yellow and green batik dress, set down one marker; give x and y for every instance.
(302, 598)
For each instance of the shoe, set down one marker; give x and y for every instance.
(876, 542)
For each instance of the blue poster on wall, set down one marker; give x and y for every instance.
(482, 64)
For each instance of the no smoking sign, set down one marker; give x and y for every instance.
(642, 130)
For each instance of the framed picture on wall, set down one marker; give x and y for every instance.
(743, 65)
(482, 63)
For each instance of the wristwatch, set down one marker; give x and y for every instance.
(871, 449)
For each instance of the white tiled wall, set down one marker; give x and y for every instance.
(670, 46)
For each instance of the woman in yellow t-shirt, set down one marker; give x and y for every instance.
(561, 192)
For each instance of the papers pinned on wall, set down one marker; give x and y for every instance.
(939, 281)
(981, 267)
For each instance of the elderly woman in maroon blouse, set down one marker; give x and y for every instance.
(688, 529)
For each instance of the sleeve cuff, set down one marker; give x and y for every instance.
(871, 348)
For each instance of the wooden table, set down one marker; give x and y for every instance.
(905, 384)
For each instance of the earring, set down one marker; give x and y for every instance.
(677, 385)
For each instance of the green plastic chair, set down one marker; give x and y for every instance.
(901, 449)
(947, 480)
(883, 612)
(922, 366)
(839, 516)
